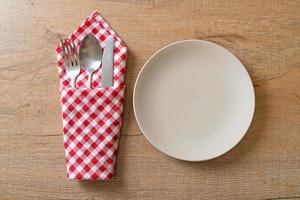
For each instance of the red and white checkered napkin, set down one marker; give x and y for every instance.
(92, 117)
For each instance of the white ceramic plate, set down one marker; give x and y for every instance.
(193, 100)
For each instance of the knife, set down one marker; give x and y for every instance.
(107, 63)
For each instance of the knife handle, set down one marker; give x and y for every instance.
(107, 63)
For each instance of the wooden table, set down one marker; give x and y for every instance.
(264, 35)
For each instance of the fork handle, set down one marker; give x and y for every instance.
(72, 82)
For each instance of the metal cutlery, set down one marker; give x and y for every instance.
(90, 55)
(71, 61)
(107, 63)
(90, 59)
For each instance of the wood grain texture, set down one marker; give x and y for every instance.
(264, 35)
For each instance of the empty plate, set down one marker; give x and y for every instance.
(193, 100)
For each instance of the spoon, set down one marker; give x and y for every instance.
(90, 55)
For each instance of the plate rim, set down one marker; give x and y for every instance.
(202, 41)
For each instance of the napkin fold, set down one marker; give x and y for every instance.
(92, 117)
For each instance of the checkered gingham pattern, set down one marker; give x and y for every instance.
(92, 117)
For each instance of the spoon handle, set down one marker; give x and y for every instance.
(90, 80)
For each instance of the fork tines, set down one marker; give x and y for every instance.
(70, 53)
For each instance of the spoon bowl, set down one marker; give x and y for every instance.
(90, 55)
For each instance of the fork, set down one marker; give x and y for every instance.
(71, 61)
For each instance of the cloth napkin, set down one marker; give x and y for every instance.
(92, 117)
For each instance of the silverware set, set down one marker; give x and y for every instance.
(89, 58)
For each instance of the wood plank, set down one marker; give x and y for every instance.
(264, 35)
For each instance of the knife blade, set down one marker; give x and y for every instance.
(107, 63)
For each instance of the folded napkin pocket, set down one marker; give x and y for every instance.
(92, 116)
(91, 123)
